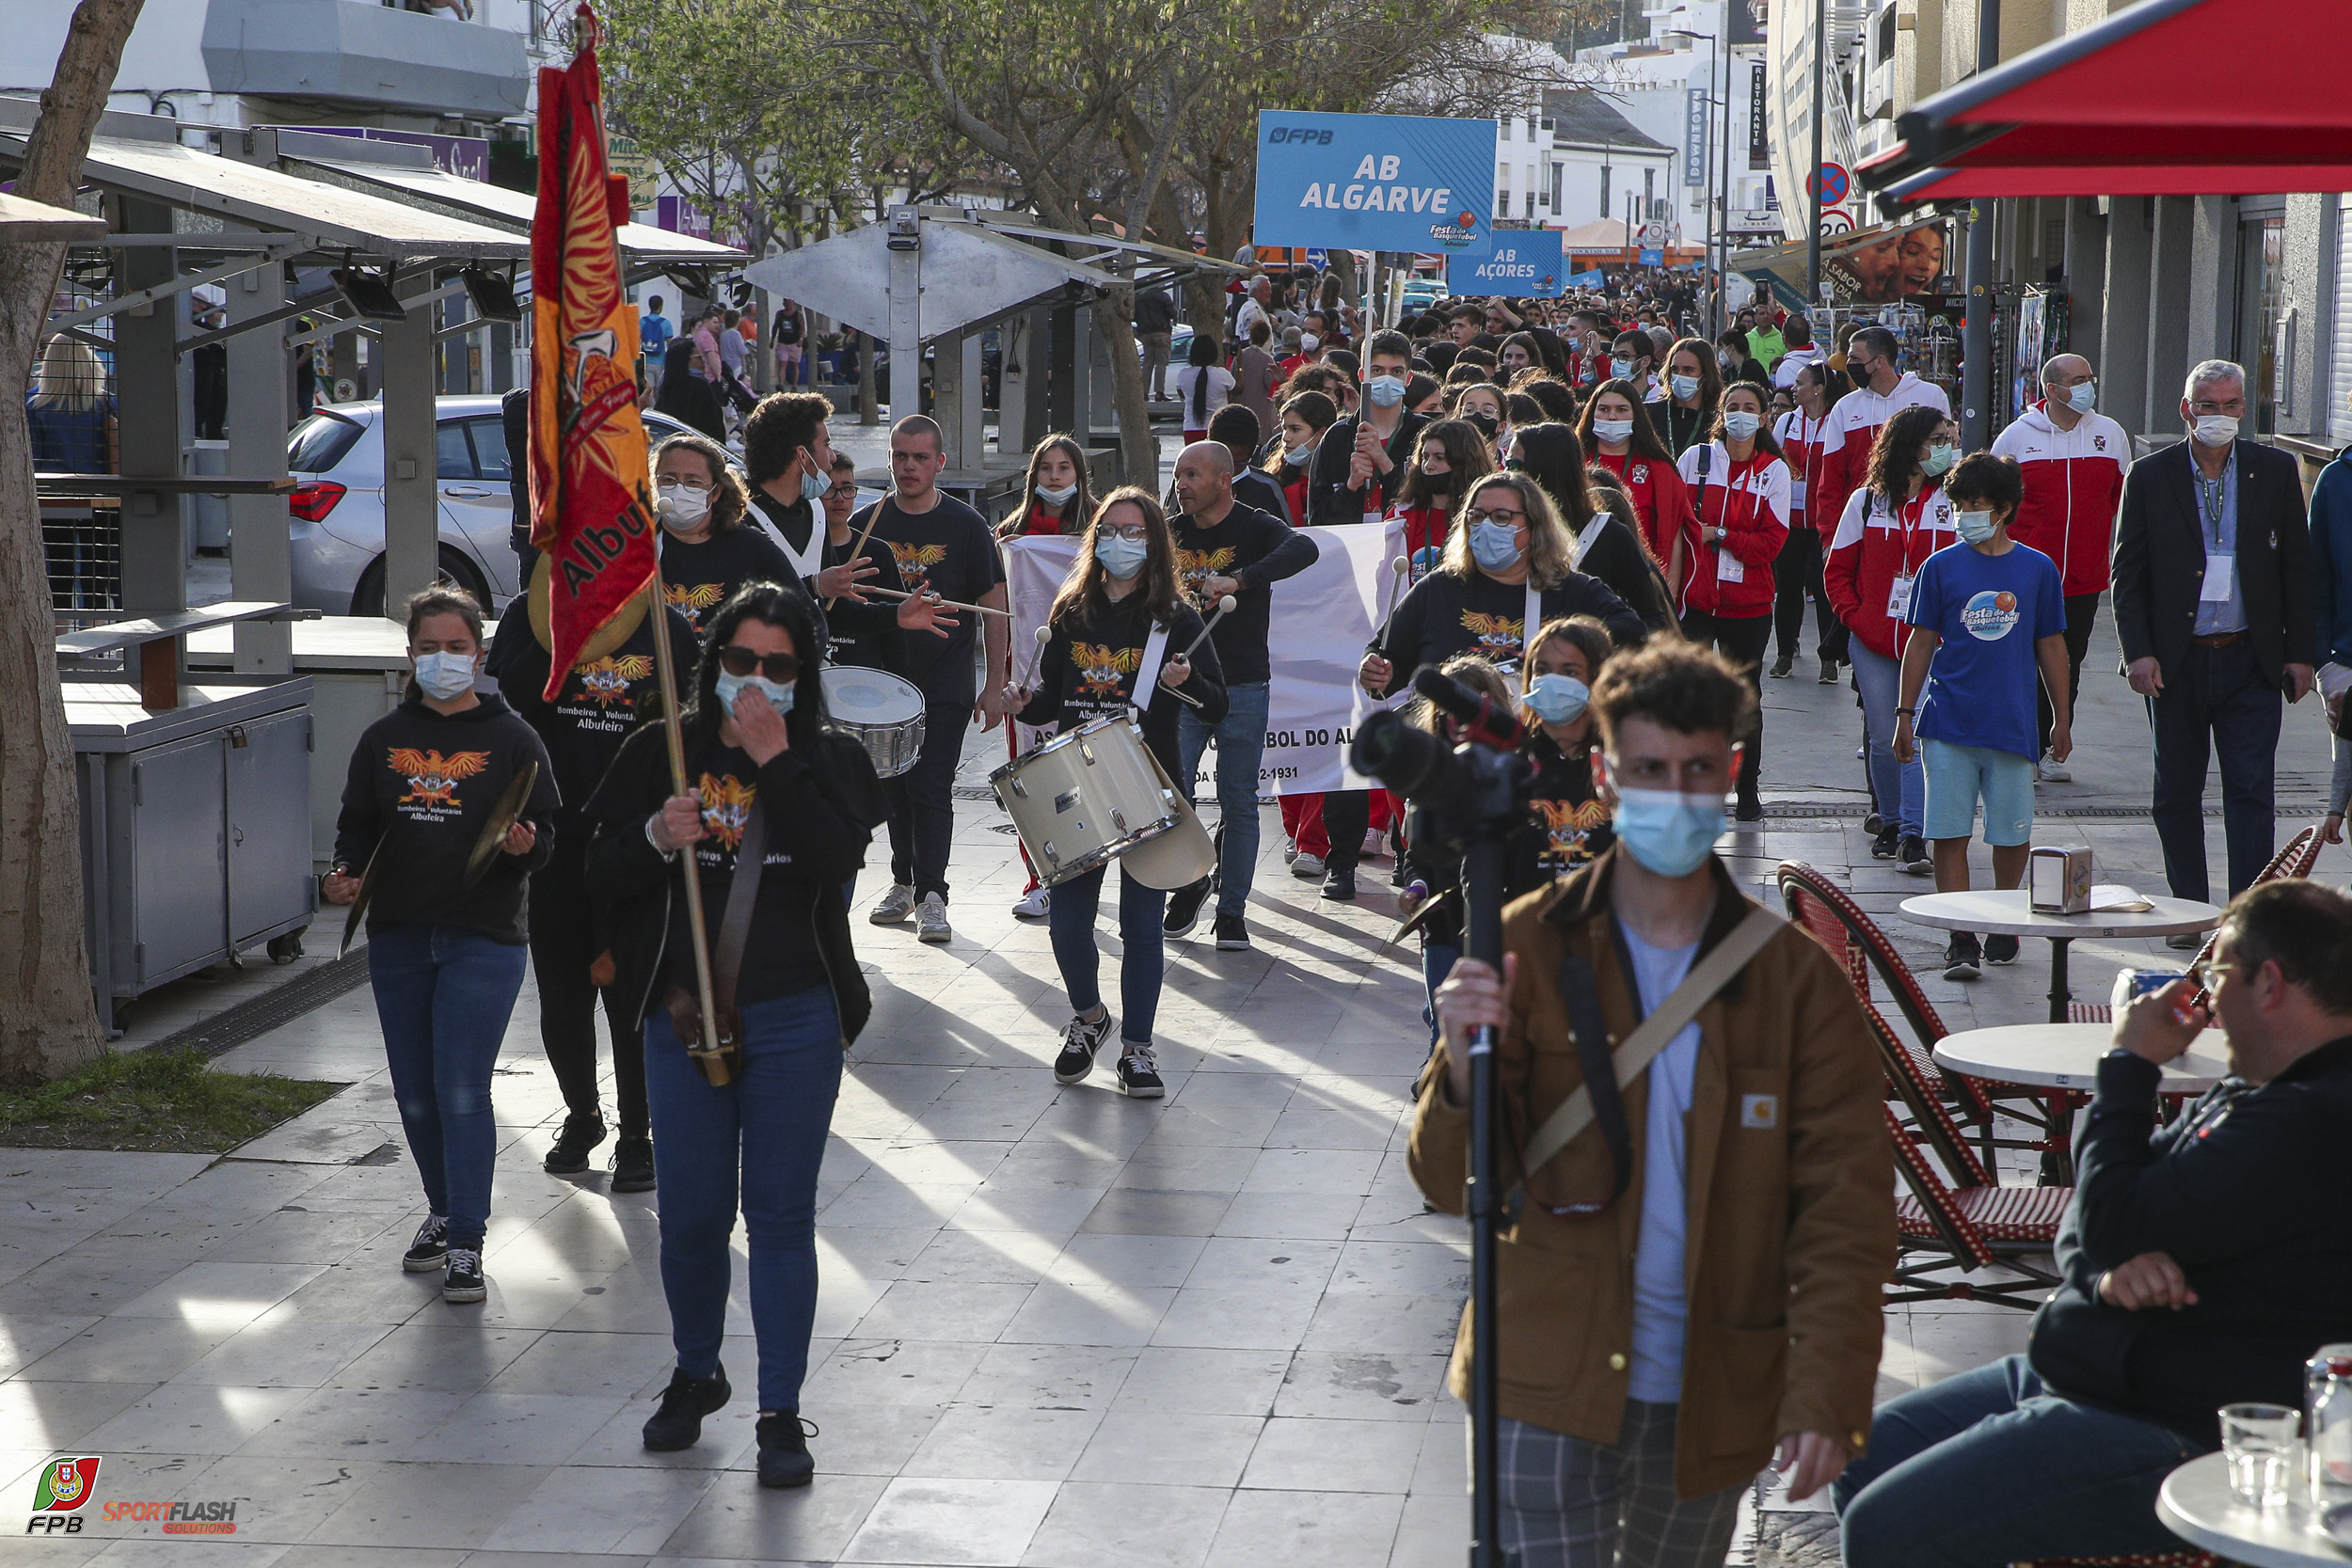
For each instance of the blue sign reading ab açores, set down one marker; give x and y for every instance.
(1375, 181)
(1524, 263)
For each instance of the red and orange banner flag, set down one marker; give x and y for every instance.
(590, 508)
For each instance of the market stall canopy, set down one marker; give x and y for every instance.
(2165, 98)
(24, 222)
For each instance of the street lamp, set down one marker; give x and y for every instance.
(1718, 232)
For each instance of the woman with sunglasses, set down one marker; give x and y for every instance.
(780, 800)
(1118, 631)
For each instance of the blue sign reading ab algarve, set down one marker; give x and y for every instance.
(1375, 181)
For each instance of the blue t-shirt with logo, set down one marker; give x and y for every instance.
(1989, 610)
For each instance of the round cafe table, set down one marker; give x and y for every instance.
(2009, 911)
(2196, 1504)
(2066, 1056)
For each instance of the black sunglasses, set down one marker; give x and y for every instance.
(739, 662)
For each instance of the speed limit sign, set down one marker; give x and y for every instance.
(1836, 221)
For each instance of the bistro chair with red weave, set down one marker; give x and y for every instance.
(1943, 1232)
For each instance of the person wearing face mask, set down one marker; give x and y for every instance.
(1796, 570)
(1359, 472)
(1630, 1388)
(1453, 457)
(779, 816)
(1630, 358)
(2213, 605)
(1888, 531)
(1880, 392)
(1117, 629)
(706, 552)
(2074, 459)
(1607, 547)
(1732, 356)
(1479, 405)
(1988, 629)
(1306, 419)
(1616, 432)
(1056, 498)
(446, 952)
(1695, 389)
(1567, 825)
(1740, 527)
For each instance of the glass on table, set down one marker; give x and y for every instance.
(2258, 1440)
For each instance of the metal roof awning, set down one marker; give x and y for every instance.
(642, 244)
(330, 217)
(2137, 105)
(24, 222)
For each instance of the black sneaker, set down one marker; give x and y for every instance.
(1783, 666)
(1914, 855)
(1233, 935)
(1183, 908)
(2000, 950)
(430, 1250)
(1138, 1074)
(1339, 881)
(580, 1137)
(1080, 1039)
(1874, 823)
(1884, 846)
(678, 1425)
(1961, 955)
(1749, 808)
(465, 1280)
(1828, 672)
(632, 1166)
(784, 1458)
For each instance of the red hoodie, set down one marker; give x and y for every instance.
(2074, 484)
(1749, 502)
(1662, 502)
(1851, 428)
(1424, 527)
(1872, 545)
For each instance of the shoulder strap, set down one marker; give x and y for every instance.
(1532, 615)
(1712, 971)
(1148, 668)
(735, 925)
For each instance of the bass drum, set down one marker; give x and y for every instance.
(879, 711)
(1085, 797)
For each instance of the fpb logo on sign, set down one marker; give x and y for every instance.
(62, 1488)
(1374, 182)
(1522, 264)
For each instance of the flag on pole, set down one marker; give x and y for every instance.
(590, 509)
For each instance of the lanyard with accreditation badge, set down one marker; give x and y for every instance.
(2220, 565)
(1899, 587)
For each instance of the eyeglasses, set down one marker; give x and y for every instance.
(1506, 516)
(2234, 405)
(845, 490)
(1135, 531)
(2207, 973)
(739, 662)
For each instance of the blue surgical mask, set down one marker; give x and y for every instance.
(444, 676)
(1386, 391)
(779, 696)
(2083, 397)
(1052, 497)
(1741, 425)
(1670, 833)
(1558, 699)
(1120, 557)
(1975, 527)
(1622, 369)
(1685, 386)
(1296, 455)
(1940, 456)
(1494, 547)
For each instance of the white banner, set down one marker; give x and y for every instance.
(1320, 620)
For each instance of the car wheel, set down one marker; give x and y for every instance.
(455, 571)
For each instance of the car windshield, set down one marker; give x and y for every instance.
(319, 442)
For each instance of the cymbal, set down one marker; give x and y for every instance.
(502, 817)
(356, 916)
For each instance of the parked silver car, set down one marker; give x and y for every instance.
(336, 524)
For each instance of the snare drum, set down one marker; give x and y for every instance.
(879, 711)
(1084, 797)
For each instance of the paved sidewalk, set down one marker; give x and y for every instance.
(1056, 1327)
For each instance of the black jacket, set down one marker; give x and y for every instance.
(1088, 669)
(1328, 498)
(1442, 615)
(1618, 559)
(2245, 1193)
(2160, 559)
(823, 804)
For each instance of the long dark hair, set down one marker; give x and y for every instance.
(1080, 506)
(1082, 597)
(1468, 461)
(781, 605)
(1550, 454)
(1897, 453)
(1644, 441)
(1202, 356)
(1765, 440)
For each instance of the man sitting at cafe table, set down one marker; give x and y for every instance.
(2205, 1261)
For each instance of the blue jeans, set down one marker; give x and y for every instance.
(2216, 701)
(1069, 918)
(1986, 1468)
(763, 1133)
(1902, 786)
(1437, 959)
(443, 994)
(1240, 747)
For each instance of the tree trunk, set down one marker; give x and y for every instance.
(47, 1026)
(1139, 450)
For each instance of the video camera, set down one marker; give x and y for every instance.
(1480, 785)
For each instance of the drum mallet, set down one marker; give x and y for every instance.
(1398, 569)
(1224, 607)
(944, 604)
(1043, 635)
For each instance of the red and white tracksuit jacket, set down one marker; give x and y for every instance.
(1749, 502)
(1850, 430)
(1874, 544)
(1800, 441)
(2073, 485)
(1662, 502)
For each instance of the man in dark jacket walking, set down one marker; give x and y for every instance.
(2203, 1261)
(1155, 321)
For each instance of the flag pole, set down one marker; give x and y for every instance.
(707, 1053)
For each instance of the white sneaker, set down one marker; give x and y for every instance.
(2053, 770)
(1032, 906)
(1375, 844)
(896, 905)
(1307, 867)
(1290, 851)
(930, 919)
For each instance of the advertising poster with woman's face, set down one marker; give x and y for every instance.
(1882, 265)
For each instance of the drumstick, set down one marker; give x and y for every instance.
(1397, 568)
(857, 547)
(1044, 636)
(1224, 608)
(949, 604)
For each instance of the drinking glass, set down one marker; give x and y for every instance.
(2258, 1440)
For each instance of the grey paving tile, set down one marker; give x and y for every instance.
(358, 1424)
(1150, 1211)
(1126, 1524)
(129, 1350)
(577, 1512)
(1316, 1454)
(1058, 1314)
(1261, 1527)
(923, 1520)
(438, 1356)
(1008, 1442)
(1362, 1385)
(427, 1504)
(1137, 1443)
(737, 1521)
(192, 1418)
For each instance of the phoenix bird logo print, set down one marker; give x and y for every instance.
(607, 680)
(433, 779)
(1195, 567)
(1565, 825)
(1100, 670)
(1497, 634)
(915, 563)
(726, 807)
(695, 600)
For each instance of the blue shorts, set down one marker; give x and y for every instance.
(1957, 776)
